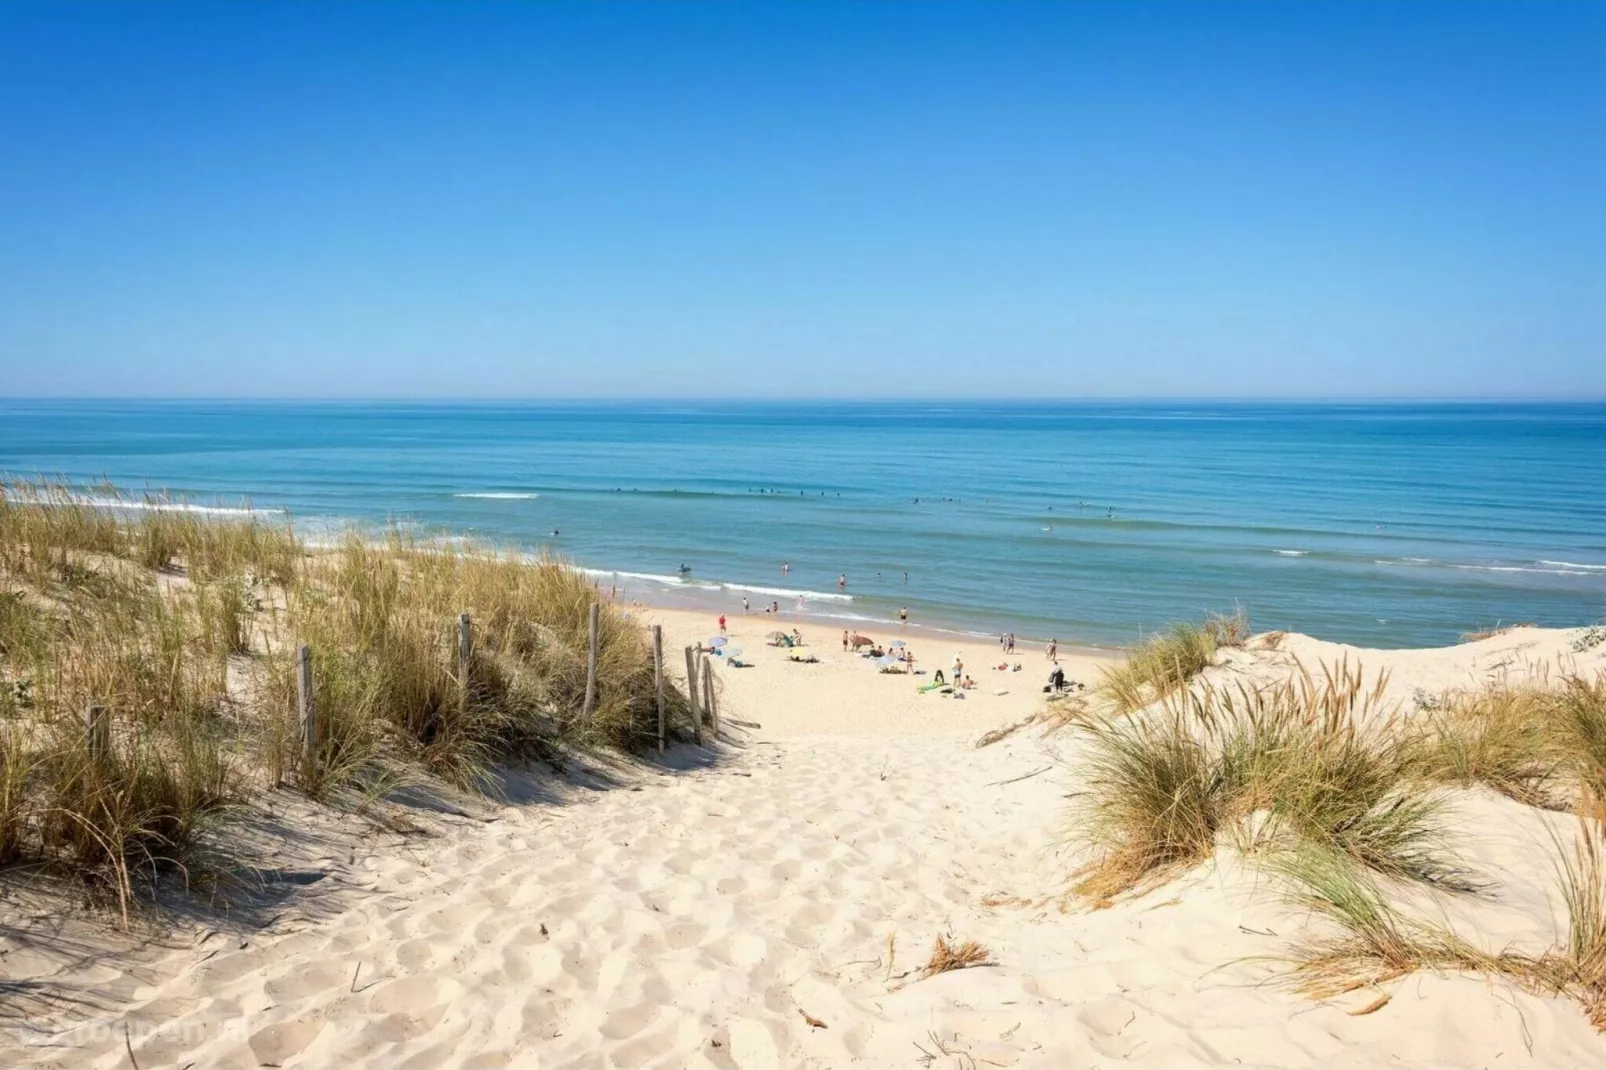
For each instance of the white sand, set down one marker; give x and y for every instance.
(700, 918)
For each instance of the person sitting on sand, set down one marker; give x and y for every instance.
(797, 637)
(936, 677)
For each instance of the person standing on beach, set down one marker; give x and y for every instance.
(1009, 647)
(844, 641)
(1053, 649)
(746, 606)
(903, 616)
(722, 624)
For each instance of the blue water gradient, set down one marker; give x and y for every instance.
(1384, 524)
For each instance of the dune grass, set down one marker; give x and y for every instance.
(1168, 660)
(1503, 737)
(1580, 719)
(182, 627)
(1307, 760)
(1368, 941)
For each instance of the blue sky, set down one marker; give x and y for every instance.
(821, 199)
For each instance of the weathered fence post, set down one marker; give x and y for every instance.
(465, 652)
(591, 667)
(691, 693)
(97, 734)
(308, 716)
(708, 695)
(658, 678)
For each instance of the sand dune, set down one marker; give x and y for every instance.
(772, 908)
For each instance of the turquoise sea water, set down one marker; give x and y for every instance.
(1394, 525)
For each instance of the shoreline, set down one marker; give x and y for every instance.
(714, 597)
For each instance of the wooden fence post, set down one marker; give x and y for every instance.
(708, 695)
(308, 716)
(691, 693)
(658, 678)
(97, 734)
(465, 650)
(591, 667)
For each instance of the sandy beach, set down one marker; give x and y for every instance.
(769, 901)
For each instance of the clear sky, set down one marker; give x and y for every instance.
(811, 199)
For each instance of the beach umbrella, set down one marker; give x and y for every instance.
(717, 641)
(886, 659)
(897, 642)
(776, 635)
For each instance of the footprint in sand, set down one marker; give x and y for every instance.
(753, 1046)
(278, 1042)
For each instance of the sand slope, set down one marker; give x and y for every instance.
(702, 918)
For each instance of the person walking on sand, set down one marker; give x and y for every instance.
(844, 641)
(746, 606)
(722, 624)
(1053, 649)
(1009, 647)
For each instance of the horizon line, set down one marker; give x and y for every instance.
(824, 399)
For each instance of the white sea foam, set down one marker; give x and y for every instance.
(499, 495)
(684, 583)
(152, 506)
(1574, 564)
(783, 592)
(1291, 553)
(1520, 568)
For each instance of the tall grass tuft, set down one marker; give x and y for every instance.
(1580, 716)
(1303, 761)
(1152, 801)
(1581, 966)
(1504, 738)
(1168, 660)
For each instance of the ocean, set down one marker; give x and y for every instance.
(1380, 524)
